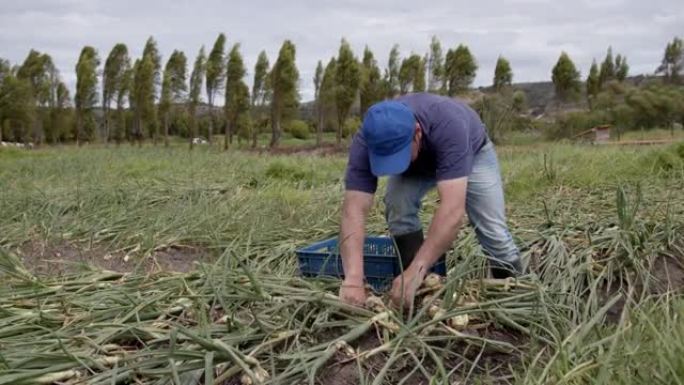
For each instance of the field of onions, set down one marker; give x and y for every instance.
(601, 229)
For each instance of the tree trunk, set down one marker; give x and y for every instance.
(166, 129)
(340, 125)
(36, 131)
(255, 133)
(106, 123)
(231, 129)
(25, 134)
(78, 127)
(120, 125)
(275, 129)
(226, 132)
(138, 128)
(211, 121)
(193, 125)
(319, 128)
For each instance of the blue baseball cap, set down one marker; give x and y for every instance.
(388, 128)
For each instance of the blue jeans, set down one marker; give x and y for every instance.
(484, 205)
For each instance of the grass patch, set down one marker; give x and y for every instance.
(592, 222)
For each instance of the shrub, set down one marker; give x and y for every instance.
(351, 125)
(669, 161)
(298, 129)
(244, 126)
(500, 113)
(519, 102)
(572, 123)
(286, 171)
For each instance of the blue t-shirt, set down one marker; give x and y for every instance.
(452, 134)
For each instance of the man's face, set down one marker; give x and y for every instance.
(415, 144)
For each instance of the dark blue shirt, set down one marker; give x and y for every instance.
(452, 134)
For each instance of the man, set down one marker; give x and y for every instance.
(421, 141)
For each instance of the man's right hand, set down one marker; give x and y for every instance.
(353, 292)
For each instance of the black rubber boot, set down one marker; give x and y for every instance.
(408, 246)
(501, 270)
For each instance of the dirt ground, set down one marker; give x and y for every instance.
(62, 258)
(57, 259)
(325, 149)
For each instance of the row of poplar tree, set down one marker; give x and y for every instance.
(139, 100)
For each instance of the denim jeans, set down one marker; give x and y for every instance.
(484, 205)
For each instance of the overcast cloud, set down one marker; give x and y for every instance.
(530, 33)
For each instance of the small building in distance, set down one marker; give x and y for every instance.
(598, 134)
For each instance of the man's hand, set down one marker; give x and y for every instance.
(353, 292)
(354, 211)
(404, 287)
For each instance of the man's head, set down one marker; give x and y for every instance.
(393, 137)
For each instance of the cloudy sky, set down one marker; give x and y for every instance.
(530, 33)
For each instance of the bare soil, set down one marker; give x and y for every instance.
(668, 272)
(63, 258)
(325, 149)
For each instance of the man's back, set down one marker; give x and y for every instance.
(452, 134)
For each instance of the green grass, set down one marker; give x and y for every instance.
(654, 134)
(588, 218)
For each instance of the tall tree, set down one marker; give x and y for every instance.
(347, 78)
(195, 96)
(371, 83)
(215, 77)
(460, 69)
(237, 95)
(565, 78)
(392, 74)
(173, 88)
(86, 87)
(113, 75)
(260, 92)
(5, 68)
(405, 76)
(673, 61)
(419, 84)
(317, 79)
(142, 98)
(39, 70)
(593, 84)
(503, 76)
(17, 105)
(412, 74)
(328, 94)
(436, 67)
(607, 71)
(60, 113)
(152, 53)
(621, 68)
(284, 83)
(122, 95)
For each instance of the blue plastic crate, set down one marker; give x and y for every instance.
(380, 261)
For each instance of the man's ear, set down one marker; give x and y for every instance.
(418, 133)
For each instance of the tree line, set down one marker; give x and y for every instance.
(118, 98)
(611, 101)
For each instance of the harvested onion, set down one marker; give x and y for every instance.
(432, 281)
(375, 303)
(260, 375)
(458, 322)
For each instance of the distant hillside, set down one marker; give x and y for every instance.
(541, 94)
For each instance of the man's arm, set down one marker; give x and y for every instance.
(441, 234)
(445, 223)
(352, 231)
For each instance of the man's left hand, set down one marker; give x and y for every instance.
(404, 287)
